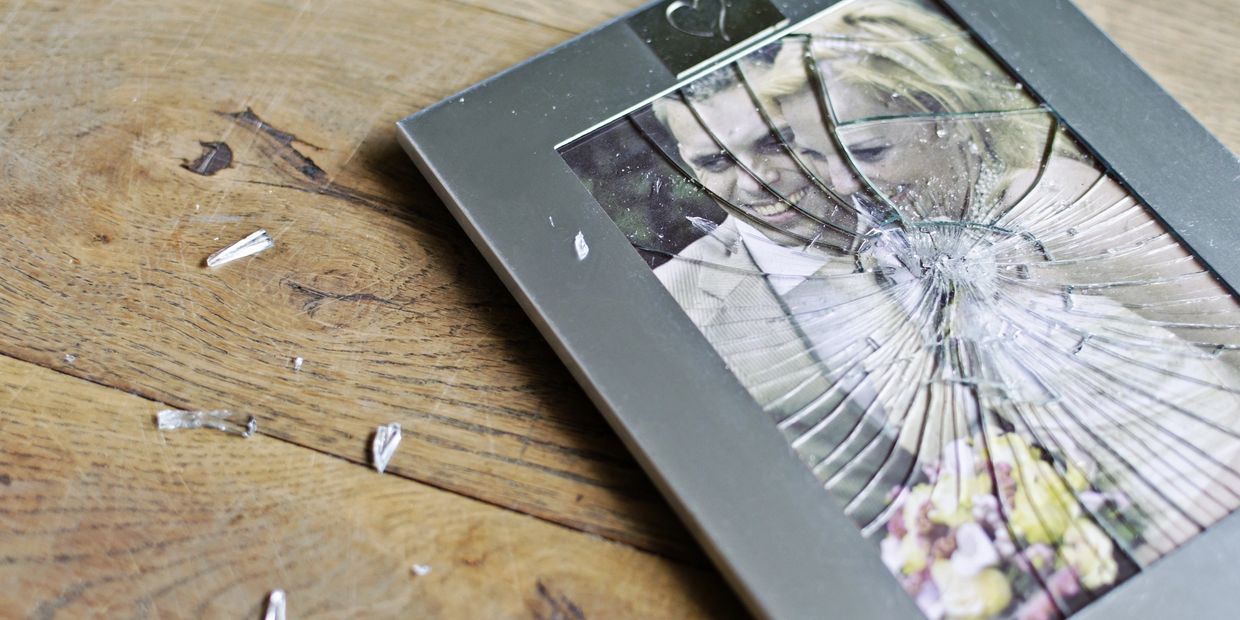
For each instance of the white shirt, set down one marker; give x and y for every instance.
(785, 267)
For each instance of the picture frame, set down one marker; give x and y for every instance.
(495, 155)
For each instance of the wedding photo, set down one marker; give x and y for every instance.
(1015, 381)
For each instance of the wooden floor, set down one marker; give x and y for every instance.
(508, 484)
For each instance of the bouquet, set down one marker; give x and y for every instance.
(995, 529)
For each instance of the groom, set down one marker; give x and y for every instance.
(767, 286)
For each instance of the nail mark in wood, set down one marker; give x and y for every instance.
(307, 176)
(314, 298)
(284, 142)
(559, 607)
(215, 156)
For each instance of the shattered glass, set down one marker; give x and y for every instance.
(221, 420)
(277, 606)
(1013, 378)
(250, 245)
(383, 445)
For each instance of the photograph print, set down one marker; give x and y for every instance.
(1020, 386)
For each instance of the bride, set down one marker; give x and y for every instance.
(1007, 293)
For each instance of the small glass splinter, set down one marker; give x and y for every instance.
(219, 419)
(387, 437)
(256, 242)
(579, 244)
(421, 570)
(276, 604)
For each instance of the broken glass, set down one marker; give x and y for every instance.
(250, 245)
(277, 606)
(221, 420)
(1012, 377)
(383, 445)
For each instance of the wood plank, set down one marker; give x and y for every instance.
(1189, 48)
(103, 515)
(575, 17)
(397, 317)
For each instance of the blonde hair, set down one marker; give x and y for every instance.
(905, 50)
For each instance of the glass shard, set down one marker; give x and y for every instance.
(252, 244)
(1017, 383)
(218, 419)
(421, 570)
(387, 437)
(580, 246)
(297, 363)
(276, 606)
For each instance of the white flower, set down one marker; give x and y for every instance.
(957, 483)
(986, 509)
(1092, 500)
(974, 551)
(930, 601)
(1004, 544)
(951, 499)
(891, 554)
(969, 597)
(958, 459)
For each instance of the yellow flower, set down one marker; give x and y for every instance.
(1045, 506)
(1076, 478)
(981, 484)
(1088, 550)
(914, 550)
(951, 501)
(1008, 448)
(971, 597)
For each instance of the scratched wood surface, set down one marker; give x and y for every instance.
(136, 137)
(195, 525)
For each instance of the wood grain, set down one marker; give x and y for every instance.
(1190, 50)
(107, 110)
(105, 516)
(398, 319)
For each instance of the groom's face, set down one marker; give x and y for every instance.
(746, 164)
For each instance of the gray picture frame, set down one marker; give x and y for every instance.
(491, 154)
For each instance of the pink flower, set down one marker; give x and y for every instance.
(895, 526)
(1041, 606)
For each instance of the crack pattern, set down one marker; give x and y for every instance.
(1015, 381)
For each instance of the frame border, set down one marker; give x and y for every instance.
(490, 152)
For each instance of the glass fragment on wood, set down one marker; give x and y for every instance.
(276, 606)
(221, 420)
(387, 437)
(252, 244)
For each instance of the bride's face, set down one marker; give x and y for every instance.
(925, 167)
